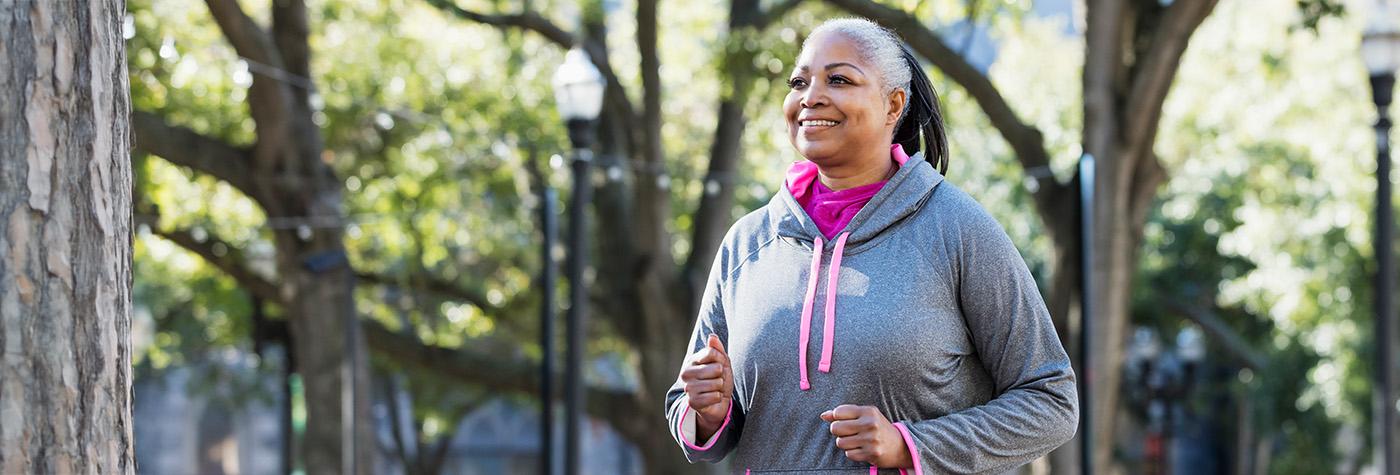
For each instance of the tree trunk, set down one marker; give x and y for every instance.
(293, 184)
(65, 239)
(330, 355)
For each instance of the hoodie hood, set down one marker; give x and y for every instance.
(905, 192)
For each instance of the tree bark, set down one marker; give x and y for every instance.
(65, 239)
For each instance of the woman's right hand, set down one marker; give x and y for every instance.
(709, 383)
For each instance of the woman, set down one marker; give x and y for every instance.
(934, 350)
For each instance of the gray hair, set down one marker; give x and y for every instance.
(878, 46)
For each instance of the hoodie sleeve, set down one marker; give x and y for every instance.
(680, 417)
(1036, 406)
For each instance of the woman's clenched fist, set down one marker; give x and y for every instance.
(867, 436)
(709, 383)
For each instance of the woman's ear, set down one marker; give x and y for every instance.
(897, 100)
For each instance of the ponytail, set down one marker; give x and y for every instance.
(922, 117)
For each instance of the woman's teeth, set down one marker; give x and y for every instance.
(818, 123)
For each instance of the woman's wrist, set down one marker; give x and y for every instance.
(900, 456)
(706, 427)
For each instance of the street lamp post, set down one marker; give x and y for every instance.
(548, 221)
(1380, 49)
(578, 92)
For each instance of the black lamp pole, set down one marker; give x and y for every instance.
(581, 135)
(548, 276)
(1381, 87)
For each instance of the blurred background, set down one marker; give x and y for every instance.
(355, 220)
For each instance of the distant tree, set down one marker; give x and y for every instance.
(283, 171)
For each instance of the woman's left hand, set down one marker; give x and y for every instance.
(866, 436)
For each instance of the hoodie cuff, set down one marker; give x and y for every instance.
(687, 427)
(909, 445)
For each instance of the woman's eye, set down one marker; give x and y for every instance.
(839, 80)
(796, 83)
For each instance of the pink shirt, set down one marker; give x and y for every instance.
(832, 210)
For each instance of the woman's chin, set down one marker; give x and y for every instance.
(814, 152)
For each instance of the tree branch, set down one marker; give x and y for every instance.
(775, 13)
(652, 148)
(221, 255)
(289, 33)
(1026, 141)
(268, 98)
(247, 38)
(531, 21)
(182, 146)
(431, 284)
(1103, 64)
(1157, 70)
(528, 20)
(653, 203)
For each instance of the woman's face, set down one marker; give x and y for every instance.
(835, 109)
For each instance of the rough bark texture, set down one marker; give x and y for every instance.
(65, 239)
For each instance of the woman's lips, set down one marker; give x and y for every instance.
(814, 126)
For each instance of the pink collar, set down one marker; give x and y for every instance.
(832, 210)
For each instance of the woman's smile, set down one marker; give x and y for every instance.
(814, 126)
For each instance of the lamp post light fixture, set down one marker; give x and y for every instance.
(578, 93)
(1380, 50)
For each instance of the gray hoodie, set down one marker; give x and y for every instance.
(934, 319)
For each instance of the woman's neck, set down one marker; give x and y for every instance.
(857, 173)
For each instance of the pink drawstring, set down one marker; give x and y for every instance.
(829, 326)
(806, 326)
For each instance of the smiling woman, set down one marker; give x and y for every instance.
(841, 116)
(949, 360)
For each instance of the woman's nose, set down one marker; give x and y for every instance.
(812, 97)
